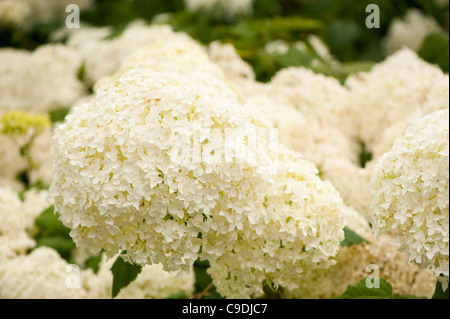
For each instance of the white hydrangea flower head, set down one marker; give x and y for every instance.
(13, 245)
(228, 9)
(438, 98)
(351, 181)
(13, 12)
(42, 157)
(409, 31)
(17, 219)
(141, 192)
(226, 57)
(42, 274)
(312, 94)
(11, 162)
(153, 282)
(303, 133)
(296, 233)
(352, 266)
(135, 164)
(39, 81)
(180, 54)
(104, 54)
(12, 219)
(410, 189)
(392, 91)
(390, 135)
(34, 203)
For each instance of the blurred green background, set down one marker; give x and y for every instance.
(339, 23)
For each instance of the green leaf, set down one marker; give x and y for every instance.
(81, 73)
(435, 49)
(49, 224)
(397, 296)
(62, 245)
(364, 155)
(123, 274)
(52, 233)
(363, 291)
(58, 115)
(439, 293)
(294, 57)
(93, 262)
(203, 280)
(351, 238)
(179, 295)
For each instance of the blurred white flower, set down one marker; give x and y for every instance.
(410, 189)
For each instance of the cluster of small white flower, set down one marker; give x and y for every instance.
(153, 282)
(410, 188)
(352, 265)
(136, 166)
(410, 31)
(29, 79)
(17, 220)
(175, 158)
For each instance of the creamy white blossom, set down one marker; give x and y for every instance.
(13, 12)
(351, 181)
(153, 282)
(41, 80)
(11, 162)
(355, 262)
(438, 98)
(179, 54)
(409, 31)
(226, 57)
(352, 265)
(313, 94)
(104, 54)
(17, 219)
(42, 157)
(392, 91)
(292, 234)
(126, 178)
(12, 219)
(410, 189)
(43, 274)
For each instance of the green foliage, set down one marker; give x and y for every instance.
(439, 293)
(93, 262)
(179, 295)
(52, 233)
(123, 274)
(351, 238)
(362, 291)
(58, 115)
(203, 283)
(364, 155)
(340, 24)
(435, 49)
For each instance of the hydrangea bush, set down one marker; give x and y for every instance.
(223, 149)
